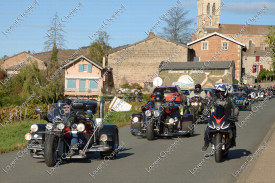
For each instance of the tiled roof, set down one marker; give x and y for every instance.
(196, 65)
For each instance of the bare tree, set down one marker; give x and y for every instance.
(177, 26)
(54, 35)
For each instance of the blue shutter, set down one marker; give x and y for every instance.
(82, 85)
(93, 84)
(80, 67)
(89, 68)
(71, 83)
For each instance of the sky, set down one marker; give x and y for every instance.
(24, 23)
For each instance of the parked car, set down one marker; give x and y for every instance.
(64, 138)
(169, 93)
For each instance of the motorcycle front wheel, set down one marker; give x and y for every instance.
(150, 131)
(50, 152)
(218, 148)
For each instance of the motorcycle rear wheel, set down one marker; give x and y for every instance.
(218, 148)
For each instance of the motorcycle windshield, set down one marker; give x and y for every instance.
(58, 110)
(219, 112)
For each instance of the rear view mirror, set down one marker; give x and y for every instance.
(37, 110)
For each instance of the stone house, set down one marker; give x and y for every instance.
(187, 74)
(83, 78)
(139, 62)
(13, 64)
(215, 47)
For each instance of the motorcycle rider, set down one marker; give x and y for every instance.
(222, 98)
(198, 91)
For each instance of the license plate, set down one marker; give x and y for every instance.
(239, 101)
(74, 131)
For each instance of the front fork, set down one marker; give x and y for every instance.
(223, 141)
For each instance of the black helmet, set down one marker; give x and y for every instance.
(67, 101)
(197, 87)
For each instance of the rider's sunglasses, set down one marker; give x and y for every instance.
(66, 107)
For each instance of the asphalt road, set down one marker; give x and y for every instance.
(161, 160)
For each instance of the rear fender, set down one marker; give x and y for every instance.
(109, 130)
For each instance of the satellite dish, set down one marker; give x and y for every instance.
(157, 81)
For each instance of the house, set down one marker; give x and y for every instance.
(138, 62)
(215, 47)
(254, 60)
(83, 78)
(13, 64)
(187, 74)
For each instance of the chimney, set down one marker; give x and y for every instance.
(103, 61)
(151, 34)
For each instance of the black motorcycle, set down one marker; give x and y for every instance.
(161, 118)
(66, 137)
(220, 133)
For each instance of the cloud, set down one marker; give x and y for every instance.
(250, 8)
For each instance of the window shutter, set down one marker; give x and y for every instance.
(89, 68)
(80, 68)
(261, 67)
(71, 83)
(93, 84)
(253, 68)
(257, 58)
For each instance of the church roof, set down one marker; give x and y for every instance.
(241, 29)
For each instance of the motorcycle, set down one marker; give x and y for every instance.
(220, 133)
(196, 103)
(261, 95)
(243, 101)
(64, 138)
(161, 118)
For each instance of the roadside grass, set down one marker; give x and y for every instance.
(12, 135)
(119, 118)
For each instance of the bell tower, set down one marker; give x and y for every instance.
(208, 15)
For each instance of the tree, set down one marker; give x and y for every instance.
(177, 26)
(99, 47)
(54, 35)
(271, 43)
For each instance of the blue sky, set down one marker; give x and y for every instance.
(127, 26)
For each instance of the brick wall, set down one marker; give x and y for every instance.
(215, 52)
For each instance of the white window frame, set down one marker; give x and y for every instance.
(202, 45)
(226, 45)
(85, 66)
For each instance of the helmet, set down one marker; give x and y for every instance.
(67, 101)
(197, 87)
(221, 91)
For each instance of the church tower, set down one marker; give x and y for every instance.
(208, 15)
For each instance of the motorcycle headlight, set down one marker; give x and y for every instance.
(226, 126)
(148, 113)
(103, 137)
(34, 128)
(200, 103)
(74, 126)
(192, 103)
(28, 136)
(60, 126)
(217, 128)
(171, 120)
(99, 122)
(49, 126)
(135, 119)
(156, 113)
(80, 127)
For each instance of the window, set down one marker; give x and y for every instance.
(208, 8)
(262, 46)
(253, 68)
(85, 68)
(257, 58)
(93, 84)
(204, 45)
(196, 59)
(261, 67)
(224, 45)
(71, 83)
(214, 9)
(250, 44)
